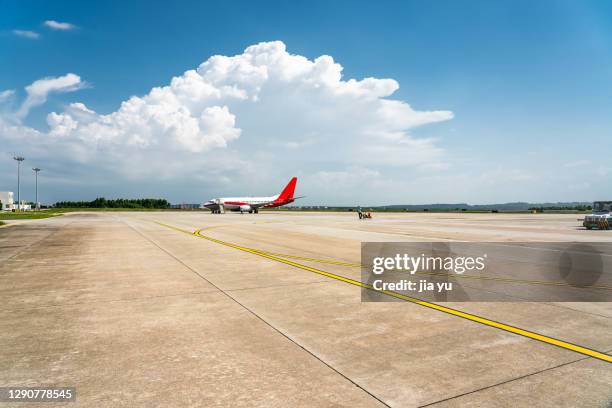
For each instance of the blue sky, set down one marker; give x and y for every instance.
(528, 84)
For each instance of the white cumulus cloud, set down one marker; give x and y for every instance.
(6, 95)
(56, 25)
(264, 88)
(255, 116)
(33, 35)
(38, 91)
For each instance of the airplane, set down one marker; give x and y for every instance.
(253, 204)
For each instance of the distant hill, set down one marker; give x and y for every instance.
(572, 206)
(518, 206)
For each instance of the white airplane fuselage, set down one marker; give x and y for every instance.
(253, 204)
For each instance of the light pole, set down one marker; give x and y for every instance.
(19, 160)
(36, 170)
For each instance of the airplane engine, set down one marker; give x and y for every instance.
(245, 208)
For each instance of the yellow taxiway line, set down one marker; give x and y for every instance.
(472, 317)
(463, 276)
(481, 277)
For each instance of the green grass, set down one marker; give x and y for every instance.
(53, 212)
(28, 215)
(2, 223)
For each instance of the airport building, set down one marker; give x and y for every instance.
(185, 206)
(6, 198)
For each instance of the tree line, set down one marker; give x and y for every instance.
(102, 202)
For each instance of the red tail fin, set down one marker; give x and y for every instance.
(287, 193)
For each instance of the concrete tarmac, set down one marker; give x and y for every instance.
(132, 309)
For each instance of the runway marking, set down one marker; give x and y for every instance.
(490, 278)
(303, 258)
(468, 316)
(463, 276)
(257, 316)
